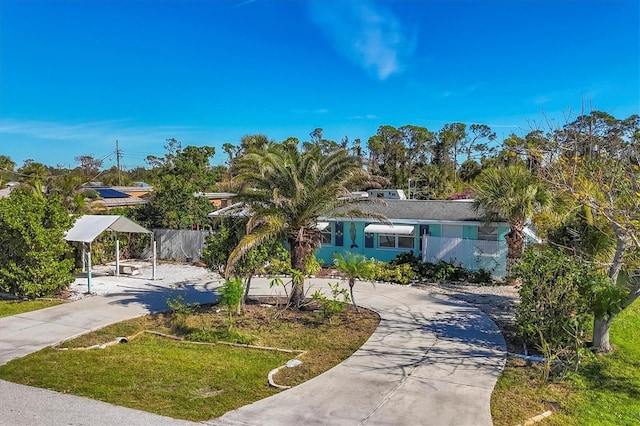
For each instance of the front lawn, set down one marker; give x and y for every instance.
(15, 307)
(605, 391)
(194, 381)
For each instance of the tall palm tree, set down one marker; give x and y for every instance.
(286, 191)
(513, 194)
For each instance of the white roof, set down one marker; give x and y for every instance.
(88, 227)
(389, 229)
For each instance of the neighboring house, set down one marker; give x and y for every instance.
(10, 186)
(435, 230)
(139, 189)
(107, 198)
(219, 199)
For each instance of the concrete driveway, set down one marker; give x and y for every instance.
(432, 361)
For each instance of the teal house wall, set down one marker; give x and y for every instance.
(349, 236)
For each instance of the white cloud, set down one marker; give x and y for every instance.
(365, 33)
(309, 111)
(86, 132)
(364, 117)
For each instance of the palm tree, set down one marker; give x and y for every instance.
(355, 267)
(286, 190)
(515, 195)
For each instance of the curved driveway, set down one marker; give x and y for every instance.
(432, 361)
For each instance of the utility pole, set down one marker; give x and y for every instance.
(118, 163)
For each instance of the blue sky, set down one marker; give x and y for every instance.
(77, 75)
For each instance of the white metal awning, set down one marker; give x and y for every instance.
(234, 210)
(529, 233)
(389, 229)
(321, 226)
(88, 227)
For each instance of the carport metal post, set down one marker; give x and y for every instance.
(153, 255)
(117, 256)
(89, 270)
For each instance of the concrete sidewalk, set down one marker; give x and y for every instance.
(431, 361)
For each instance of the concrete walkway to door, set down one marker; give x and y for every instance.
(432, 361)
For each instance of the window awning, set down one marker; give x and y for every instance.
(321, 226)
(389, 229)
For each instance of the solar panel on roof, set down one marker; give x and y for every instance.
(111, 193)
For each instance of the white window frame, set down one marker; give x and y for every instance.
(488, 233)
(327, 236)
(396, 238)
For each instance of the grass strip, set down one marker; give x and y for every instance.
(15, 307)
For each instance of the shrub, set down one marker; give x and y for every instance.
(34, 257)
(553, 310)
(438, 272)
(330, 307)
(399, 274)
(231, 295)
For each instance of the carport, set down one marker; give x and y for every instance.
(88, 227)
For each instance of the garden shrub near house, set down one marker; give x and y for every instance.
(34, 257)
(441, 271)
(554, 309)
(399, 274)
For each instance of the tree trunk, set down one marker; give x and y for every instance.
(601, 333)
(298, 256)
(616, 264)
(352, 282)
(247, 282)
(515, 246)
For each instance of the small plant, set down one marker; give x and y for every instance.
(181, 312)
(481, 276)
(179, 306)
(311, 265)
(355, 267)
(444, 271)
(231, 294)
(330, 307)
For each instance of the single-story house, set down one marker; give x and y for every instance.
(434, 229)
(448, 230)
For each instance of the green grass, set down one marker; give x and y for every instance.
(605, 391)
(15, 307)
(191, 381)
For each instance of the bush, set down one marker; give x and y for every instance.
(554, 310)
(330, 307)
(34, 257)
(441, 271)
(399, 274)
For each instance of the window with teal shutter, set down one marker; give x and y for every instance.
(339, 234)
(368, 239)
